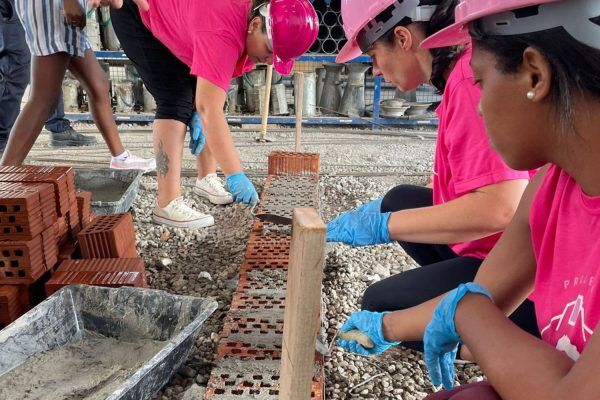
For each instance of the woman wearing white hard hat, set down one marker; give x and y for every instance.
(451, 228)
(538, 63)
(187, 52)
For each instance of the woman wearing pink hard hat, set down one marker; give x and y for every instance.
(538, 64)
(187, 52)
(448, 229)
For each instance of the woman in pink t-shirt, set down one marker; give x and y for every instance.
(538, 63)
(449, 229)
(187, 52)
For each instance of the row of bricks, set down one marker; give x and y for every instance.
(253, 328)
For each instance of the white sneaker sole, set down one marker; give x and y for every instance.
(219, 200)
(132, 168)
(198, 223)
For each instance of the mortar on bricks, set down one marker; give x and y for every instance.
(113, 191)
(82, 317)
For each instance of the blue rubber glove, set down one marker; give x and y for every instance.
(369, 323)
(357, 228)
(373, 206)
(242, 189)
(441, 339)
(197, 137)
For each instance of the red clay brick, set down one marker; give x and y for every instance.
(84, 206)
(109, 236)
(21, 262)
(105, 265)
(10, 308)
(104, 279)
(289, 163)
(58, 180)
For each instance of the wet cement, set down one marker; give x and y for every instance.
(91, 369)
(103, 189)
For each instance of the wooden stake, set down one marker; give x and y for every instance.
(299, 110)
(265, 112)
(302, 304)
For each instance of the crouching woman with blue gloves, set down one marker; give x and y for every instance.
(538, 64)
(449, 229)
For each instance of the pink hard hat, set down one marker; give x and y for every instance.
(366, 21)
(292, 27)
(502, 18)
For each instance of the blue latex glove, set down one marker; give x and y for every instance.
(441, 339)
(373, 206)
(357, 228)
(242, 189)
(369, 323)
(197, 137)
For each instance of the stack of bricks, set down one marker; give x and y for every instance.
(108, 256)
(42, 218)
(35, 207)
(248, 357)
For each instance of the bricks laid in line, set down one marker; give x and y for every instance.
(109, 236)
(249, 351)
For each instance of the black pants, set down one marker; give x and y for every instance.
(441, 270)
(166, 77)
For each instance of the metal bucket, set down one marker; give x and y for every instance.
(70, 89)
(278, 99)
(332, 89)
(125, 96)
(309, 103)
(353, 102)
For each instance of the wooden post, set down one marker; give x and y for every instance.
(302, 304)
(265, 112)
(299, 110)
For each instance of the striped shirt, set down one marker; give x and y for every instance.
(46, 29)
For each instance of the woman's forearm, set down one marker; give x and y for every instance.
(518, 365)
(220, 142)
(470, 217)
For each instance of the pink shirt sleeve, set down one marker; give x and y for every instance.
(215, 58)
(472, 160)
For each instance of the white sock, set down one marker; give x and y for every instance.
(122, 156)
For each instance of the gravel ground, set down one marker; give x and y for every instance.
(355, 168)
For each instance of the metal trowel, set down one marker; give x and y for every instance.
(274, 219)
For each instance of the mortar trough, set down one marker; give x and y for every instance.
(126, 314)
(113, 191)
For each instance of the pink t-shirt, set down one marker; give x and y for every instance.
(464, 158)
(565, 233)
(209, 36)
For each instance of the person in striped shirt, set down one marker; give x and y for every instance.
(55, 34)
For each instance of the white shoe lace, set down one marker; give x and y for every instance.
(180, 207)
(215, 184)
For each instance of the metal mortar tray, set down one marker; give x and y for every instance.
(113, 191)
(130, 313)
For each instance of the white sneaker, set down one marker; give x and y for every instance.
(212, 188)
(180, 215)
(131, 161)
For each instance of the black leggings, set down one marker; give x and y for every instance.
(166, 77)
(441, 270)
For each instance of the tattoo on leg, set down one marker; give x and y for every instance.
(162, 160)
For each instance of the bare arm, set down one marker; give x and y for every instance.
(507, 272)
(210, 100)
(478, 214)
